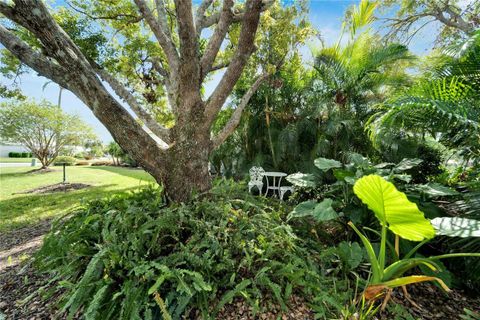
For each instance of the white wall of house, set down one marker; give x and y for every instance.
(5, 148)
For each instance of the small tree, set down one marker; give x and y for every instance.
(43, 128)
(116, 152)
(93, 148)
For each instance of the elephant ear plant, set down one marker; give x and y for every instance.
(402, 217)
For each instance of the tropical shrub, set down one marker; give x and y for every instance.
(442, 104)
(430, 165)
(135, 257)
(67, 160)
(102, 163)
(333, 187)
(397, 214)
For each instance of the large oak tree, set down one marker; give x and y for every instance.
(158, 64)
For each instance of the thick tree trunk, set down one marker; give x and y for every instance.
(187, 159)
(188, 170)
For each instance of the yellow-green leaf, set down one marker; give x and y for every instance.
(414, 279)
(393, 209)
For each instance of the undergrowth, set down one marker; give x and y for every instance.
(133, 257)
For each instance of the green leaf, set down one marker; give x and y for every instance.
(393, 209)
(377, 272)
(322, 211)
(302, 180)
(435, 190)
(403, 177)
(350, 253)
(229, 295)
(303, 209)
(342, 174)
(358, 159)
(456, 227)
(406, 164)
(327, 164)
(384, 165)
(399, 282)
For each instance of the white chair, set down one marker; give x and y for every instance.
(256, 178)
(284, 190)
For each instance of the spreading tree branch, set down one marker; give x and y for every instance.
(78, 76)
(242, 53)
(217, 38)
(214, 18)
(219, 66)
(200, 16)
(186, 31)
(37, 61)
(160, 34)
(162, 17)
(234, 120)
(140, 112)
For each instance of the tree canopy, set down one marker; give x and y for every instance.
(43, 128)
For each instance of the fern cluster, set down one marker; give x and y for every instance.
(134, 257)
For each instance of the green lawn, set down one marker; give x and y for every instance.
(18, 210)
(15, 160)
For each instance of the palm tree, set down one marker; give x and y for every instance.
(60, 91)
(444, 104)
(351, 79)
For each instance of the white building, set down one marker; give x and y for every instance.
(7, 147)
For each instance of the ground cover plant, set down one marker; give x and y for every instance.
(402, 217)
(134, 257)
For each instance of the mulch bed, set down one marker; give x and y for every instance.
(58, 187)
(40, 171)
(241, 310)
(434, 303)
(18, 296)
(18, 279)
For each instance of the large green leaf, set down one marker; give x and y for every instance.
(341, 174)
(302, 180)
(406, 164)
(350, 253)
(393, 209)
(322, 211)
(434, 190)
(326, 164)
(456, 227)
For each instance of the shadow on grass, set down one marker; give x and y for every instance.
(13, 175)
(136, 173)
(32, 172)
(28, 209)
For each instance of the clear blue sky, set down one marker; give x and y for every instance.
(325, 15)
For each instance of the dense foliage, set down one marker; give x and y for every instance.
(134, 257)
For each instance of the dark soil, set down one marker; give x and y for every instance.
(18, 280)
(434, 303)
(58, 187)
(239, 309)
(40, 171)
